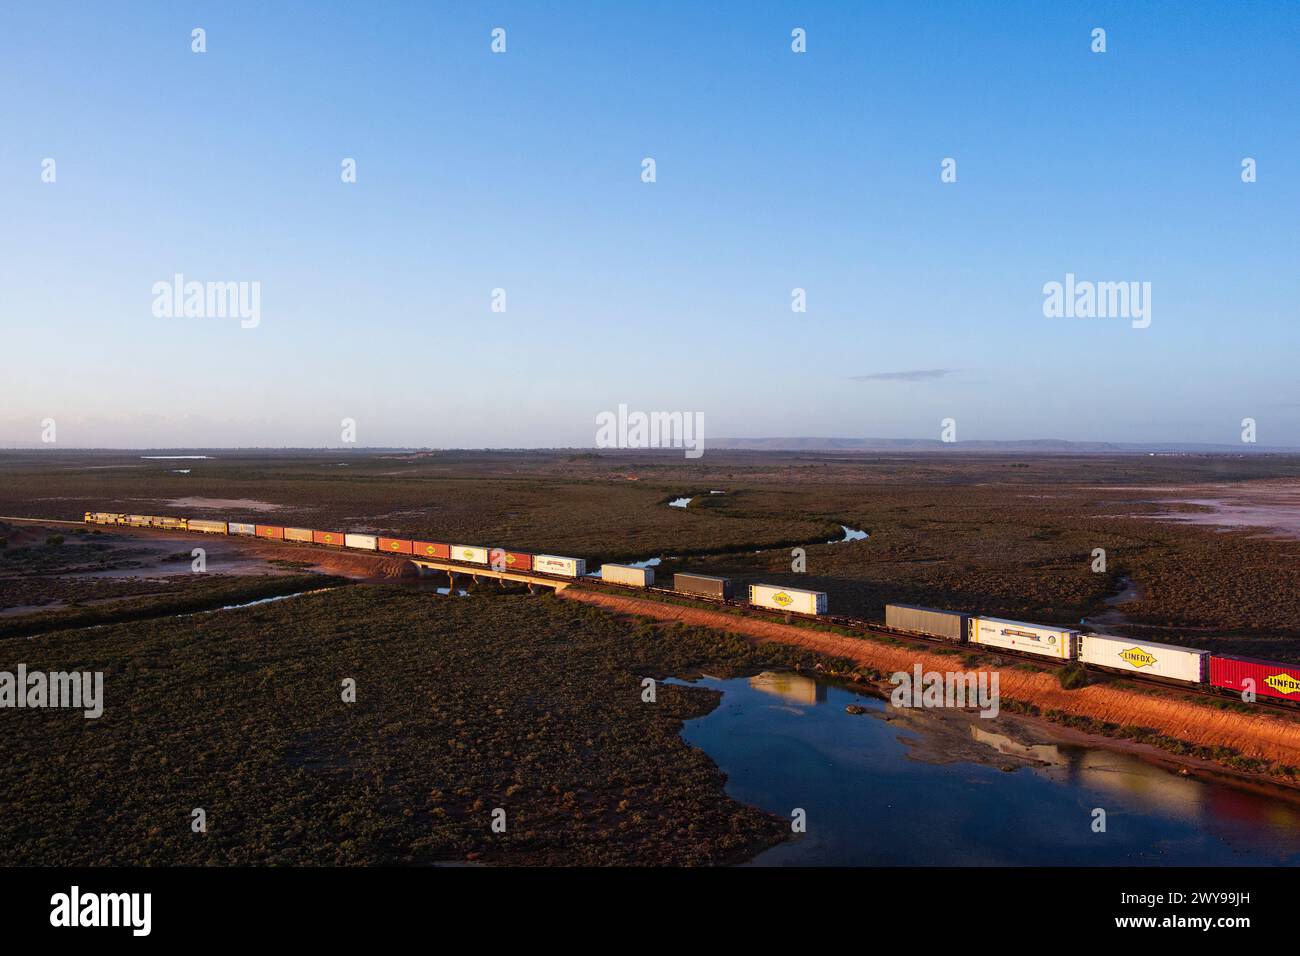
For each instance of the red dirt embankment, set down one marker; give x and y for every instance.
(1267, 735)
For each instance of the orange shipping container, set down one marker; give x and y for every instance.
(429, 549)
(395, 545)
(514, 560)
(328, 537)
(270, 531)
(298, 534)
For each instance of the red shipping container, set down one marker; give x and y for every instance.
(430, 549)
(328, 537)
(395, 545)
(1271, 679)
(270, 531)
(514, 560)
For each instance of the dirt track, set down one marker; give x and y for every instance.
(1269, 736)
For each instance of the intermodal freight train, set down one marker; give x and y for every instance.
(1165, 662)
(1182, 665)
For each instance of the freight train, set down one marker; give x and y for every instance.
(1161, 662)
(1165, 662)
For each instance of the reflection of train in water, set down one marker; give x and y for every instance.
(1161, 662)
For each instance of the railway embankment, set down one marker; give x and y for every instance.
(1263, 742)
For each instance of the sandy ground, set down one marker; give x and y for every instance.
(1266, 735)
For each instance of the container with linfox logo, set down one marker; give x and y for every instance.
(787, 599)
(430, 549)
(1159, 660)
(1270, 678)
(469, 553)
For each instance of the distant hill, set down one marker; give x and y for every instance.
(1039, 445)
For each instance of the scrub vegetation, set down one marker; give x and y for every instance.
(463, 705)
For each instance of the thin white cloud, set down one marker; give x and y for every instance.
(913, 375)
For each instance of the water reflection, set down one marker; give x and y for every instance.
(793, 687)
(916, 788)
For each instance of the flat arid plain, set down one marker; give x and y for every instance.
(498, 698)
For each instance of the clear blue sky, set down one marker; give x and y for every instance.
(522, 171)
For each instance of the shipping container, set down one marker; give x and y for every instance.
(365, 542)
(703, 584)
(1029, 638)
(948, 625)
(626, 574)
(554, 564)
(430, 549)
(327, 537)
(298, 534)
(239, 528)
(777, 598)
(1161, 660)
(207, 527)
(470, 553)
(503, 560)
(394, 545)
(270, 531)
(1270, 678)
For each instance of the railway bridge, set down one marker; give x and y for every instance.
(479, 572)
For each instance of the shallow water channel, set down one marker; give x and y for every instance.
(908, 792)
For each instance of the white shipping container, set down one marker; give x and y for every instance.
(787, 599)
(207, 527)
(297, 534)
(554, 564)
(237, 528)
(1162, 660)
(623, 574)
(470, 553)
(367, 542)
(1029, 638)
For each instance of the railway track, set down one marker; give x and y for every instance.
(859, 625)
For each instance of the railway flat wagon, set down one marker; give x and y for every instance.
(503, 560)
(334, 538)
(364, 542)
(703, 584)
(787, 599)
(555, 564)
(469, 553)
(1269, 678)
(946, 625)
(272, 531)
(204, 526)
(626, 574)
(430, 549)
(395, 545)
(238, 527)
(298, 534)
(1158, 660)
(1027, 638)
